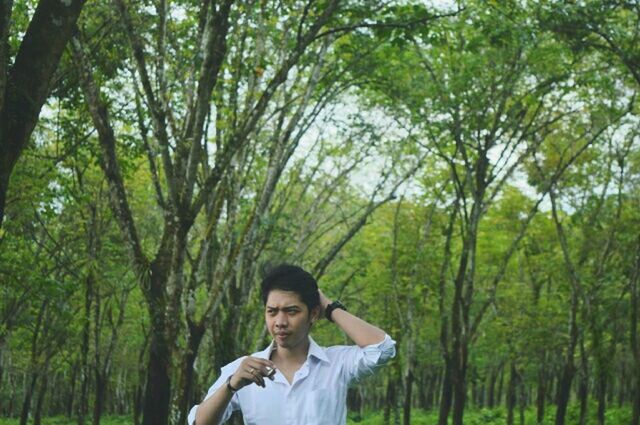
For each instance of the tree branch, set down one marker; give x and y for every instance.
(108, 160)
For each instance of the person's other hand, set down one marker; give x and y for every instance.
(324, 302)
(252, 370)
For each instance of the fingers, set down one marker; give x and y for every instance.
(265, 367)
(253, 369)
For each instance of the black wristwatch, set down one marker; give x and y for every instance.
(229, 387)
(331, 307)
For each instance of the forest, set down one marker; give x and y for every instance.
(463, 174)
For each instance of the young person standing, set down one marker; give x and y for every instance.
(294, 381)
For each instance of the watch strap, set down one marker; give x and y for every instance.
(229, 386)
(334, 305)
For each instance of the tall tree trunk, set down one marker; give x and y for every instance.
(541, 390)
(72, 392)
(633, 335)
(157, 397)
(354, 403)
(408, 388)
(459, 343)
(498, 400)
(100, 393)
(141, 382)
(26, 402)
(83, 406)
(436, 388)
(601, 392)
(42, 392)
(446, 395)
(511, 392)
(623, 386)
(522, 399)
(493, 376)
(389, 401)
(194, 338)
(563, 391)
(583, 384)
(424, 384)
(568, 371)
(474, 388)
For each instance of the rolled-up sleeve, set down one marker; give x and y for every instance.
(360, 362)
(225, 372)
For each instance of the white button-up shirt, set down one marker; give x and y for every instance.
(318, 393)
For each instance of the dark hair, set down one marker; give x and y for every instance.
(287, 277)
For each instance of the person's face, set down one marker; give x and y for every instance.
(288, 318)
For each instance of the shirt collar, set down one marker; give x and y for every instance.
(314, 350)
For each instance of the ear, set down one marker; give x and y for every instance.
(315, 314)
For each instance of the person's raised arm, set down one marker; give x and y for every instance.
(361, 332)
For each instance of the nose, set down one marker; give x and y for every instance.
(281, 320)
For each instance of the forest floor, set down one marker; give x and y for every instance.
(498, 416)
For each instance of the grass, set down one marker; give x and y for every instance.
(63, 420)
(498, 416)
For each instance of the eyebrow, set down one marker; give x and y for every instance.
(289, 307)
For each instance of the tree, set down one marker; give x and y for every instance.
(25, 84)
(490, 93)
(200, 174)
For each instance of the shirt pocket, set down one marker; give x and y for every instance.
(321, 406)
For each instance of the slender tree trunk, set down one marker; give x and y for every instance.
(3, 412)
(583, 384)
(568, 371)
(354, 403)
(493, 376)
(406, 408)
(522, 399)
(564, 391)
(447, 394)
(601, 393)
(100, 392)
(194, 338)
(28, 395)
(541, 390)
(42, 392)
(459, 346)
(72, 392)
(474, 388)
(157, 396)
(511, 392)
(389, 401)
(633, 337)
(498, 400)
(436, 388)
(83, 407)
(622, 387)
(141, 380)
(425, 382)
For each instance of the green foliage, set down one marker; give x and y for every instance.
(537, 82)
(615, 416)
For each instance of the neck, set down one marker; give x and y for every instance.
(296, 354)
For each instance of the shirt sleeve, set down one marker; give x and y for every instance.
(233, 405)
(360, 362)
